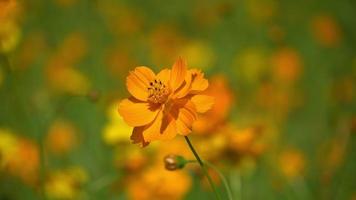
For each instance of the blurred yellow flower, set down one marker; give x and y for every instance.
(246, 141)
(159, 183)
(24, 162)
(251, 64)
(61, 137)
(116, 130)
(10, 35)
(66, 184)
(326, 31)
(199, 54)
(292, 163)
(8, 144)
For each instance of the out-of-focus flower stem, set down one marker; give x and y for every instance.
(221, 175)
(203, 168)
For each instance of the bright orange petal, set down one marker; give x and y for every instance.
(199, 83)
(137, 136)
(178, 73)
(202, 102)
(162, 128)
(185, 116)
(138, 81)
(164, 76)
(185, 88)
(136, 113)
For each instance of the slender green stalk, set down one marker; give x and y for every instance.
(203, 168)
(221, 175)
(223, 179)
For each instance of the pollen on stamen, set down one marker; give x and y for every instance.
(157, 91)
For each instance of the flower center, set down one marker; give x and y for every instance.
(157, 92)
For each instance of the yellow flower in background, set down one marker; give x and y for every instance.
(198, 53)
(158, 183)
(10, 35)
(61, 137)
(292, 163)
(116, 130)
(251, 64)
(66, 183)
(166, 104)
(8, 144)
(24, 162)
(326, 30)
(246, 141)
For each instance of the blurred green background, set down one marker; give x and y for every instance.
(283, 72)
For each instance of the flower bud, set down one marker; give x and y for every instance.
(174, 162)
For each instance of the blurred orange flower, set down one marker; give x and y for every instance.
(287, 65)
(223, 95)
(61, 137)
(158, 183)
(24, 163)
(165, 104)
(326, 30)
(8, 9)
(292, 163)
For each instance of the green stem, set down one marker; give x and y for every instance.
(221, 175)
(223, 179)
(203, 168)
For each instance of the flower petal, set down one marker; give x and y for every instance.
(137, 136)
(185, 88)
(179, 70)
(164, 76)
(202, 102)
(137, 82)
(162, 128)
(185, 116)
(136, 113)
(199, 83)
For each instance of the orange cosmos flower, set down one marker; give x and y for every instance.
(164, 104)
